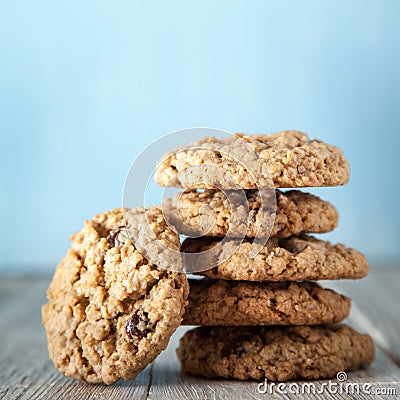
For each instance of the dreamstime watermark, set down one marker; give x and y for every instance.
(340, 386)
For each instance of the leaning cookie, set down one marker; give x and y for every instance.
(296, 212)
(275, 353)
(287, 159)
(110, 311)
(238, 303)
(291, 259)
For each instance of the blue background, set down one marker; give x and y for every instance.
(85, 86)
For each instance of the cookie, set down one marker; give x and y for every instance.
(291, 259)
(296, 212)
(110, 311)
(238, 303)
(291, 159)
(275, 353)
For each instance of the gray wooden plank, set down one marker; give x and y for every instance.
(376, 307)
(25, 369)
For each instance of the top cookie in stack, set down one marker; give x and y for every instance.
(291, 158)
(226, 219)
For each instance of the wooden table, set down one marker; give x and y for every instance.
(27, 373)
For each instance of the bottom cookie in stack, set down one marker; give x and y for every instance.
(274, 352)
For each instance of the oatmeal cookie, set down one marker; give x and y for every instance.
(296, 212)
(275, 353)
(110, 311)
(287, 159)
(239, 303)
(291, 259)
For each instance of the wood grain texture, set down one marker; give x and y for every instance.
(27, 373)
(376, 307)
(25, 369)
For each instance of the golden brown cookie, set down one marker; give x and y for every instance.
(239, 303)
(296, 212)
(275, 353)
(110, 311)
(290, 157)
(291, 259)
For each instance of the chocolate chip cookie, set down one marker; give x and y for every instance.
(110, 311)
(238, 303)
(275, 353)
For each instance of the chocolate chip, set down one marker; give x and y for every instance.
(232, 350)
(293, 245)
(117, 236)
(227, 350)
(236, 348)
(138, 325)
(253, 215)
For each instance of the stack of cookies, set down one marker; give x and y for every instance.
(119, 293)
(263, 315)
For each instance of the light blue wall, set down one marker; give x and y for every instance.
(85, 85)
